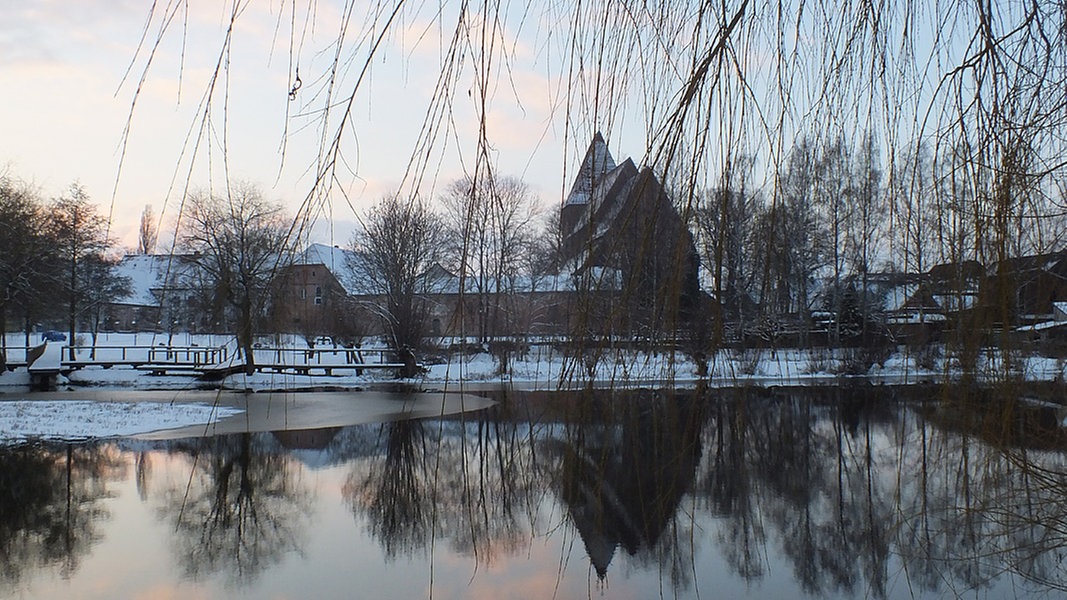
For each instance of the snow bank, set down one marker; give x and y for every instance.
(78, 420)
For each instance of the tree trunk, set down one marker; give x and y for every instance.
(70, 339)
(244, 336)
(73, 306)
(3, 339)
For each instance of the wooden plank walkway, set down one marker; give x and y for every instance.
(216, 372)
(47, 361)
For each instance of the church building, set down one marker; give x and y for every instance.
(628, 247)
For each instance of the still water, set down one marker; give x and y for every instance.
(839, 492)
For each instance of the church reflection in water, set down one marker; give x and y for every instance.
(856, 492)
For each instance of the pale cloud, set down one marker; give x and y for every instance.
(63, 121)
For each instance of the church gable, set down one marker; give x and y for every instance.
(597, 163)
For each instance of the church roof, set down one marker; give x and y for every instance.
(595, 165)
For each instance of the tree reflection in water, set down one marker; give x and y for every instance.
(51, 504)
(858, 491)
(467, 483)
(989, 500)
(396, 493)
(855, 492)
(855, 489)
(244, 508)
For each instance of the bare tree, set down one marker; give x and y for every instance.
(100, 286)
(80, 236)
(911, 192)
(707, 81)
(723, 223)
(492, 224)
(148, 232)
(238, 241)
(399, 243)
(793, 238)
(25, 254)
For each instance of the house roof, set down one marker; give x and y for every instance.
(961, 271)
(337, 260)
(148, 274)
(1035, 262)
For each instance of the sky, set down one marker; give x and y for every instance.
(73, 71)
(93, 98)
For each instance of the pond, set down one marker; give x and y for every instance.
(842, 492)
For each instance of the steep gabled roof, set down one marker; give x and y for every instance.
(148, 274)
(597, 163)
(320, 254)
(1050, 262)
(337, 260)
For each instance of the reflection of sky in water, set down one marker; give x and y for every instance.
(338, 553)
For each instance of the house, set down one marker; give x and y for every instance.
(322, 294)
(1059, 312)
(1024, 290)
(311, 301)
(160, 297)
(955, 286)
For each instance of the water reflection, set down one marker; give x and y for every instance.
(51, 502)
(626, 465)
(465, 483)
(849, 492)
(243, 508)
(395, 493)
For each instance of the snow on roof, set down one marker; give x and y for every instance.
(954, 302)
(1042, 326)
(915, 317)
(339, 261)
(596, 163)
(147, 272)
(333, 257)
(897, 296)
(445, 282)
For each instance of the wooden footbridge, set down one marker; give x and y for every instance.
(47, 361)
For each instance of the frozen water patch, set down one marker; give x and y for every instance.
(78, 420)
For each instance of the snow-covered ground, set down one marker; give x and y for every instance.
(76, 420)
(543, 367)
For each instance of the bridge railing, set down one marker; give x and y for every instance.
(321, 356)
(204, 356)
(192, 355)
(136, 355)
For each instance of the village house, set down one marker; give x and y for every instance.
(320, 295)
(1025, 289)
(160, 297)
(311, 300)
